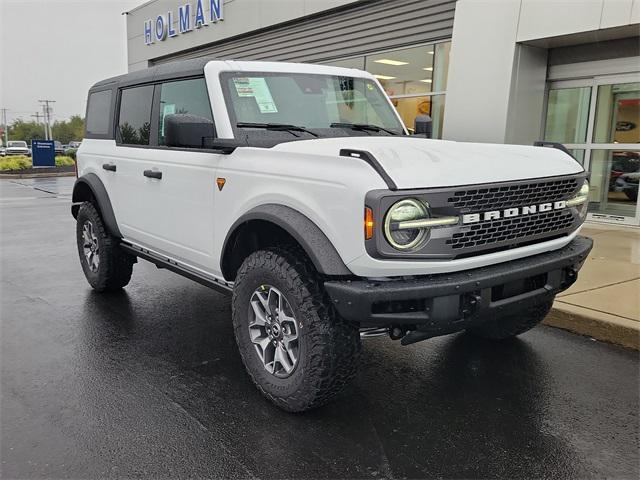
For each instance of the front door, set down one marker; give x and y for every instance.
(599, 120)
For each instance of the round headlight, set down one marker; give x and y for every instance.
(406, 210)
(584, 190)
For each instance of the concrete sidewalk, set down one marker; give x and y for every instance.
(605, 301)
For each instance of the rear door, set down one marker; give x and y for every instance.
(170, 191)
(124, 170)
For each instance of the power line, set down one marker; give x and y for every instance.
(37, 116)
(4, 122)
(47, 110)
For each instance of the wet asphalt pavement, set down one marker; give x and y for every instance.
(148, 383)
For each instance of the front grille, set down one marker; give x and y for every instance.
(507, 196)
(515, 230)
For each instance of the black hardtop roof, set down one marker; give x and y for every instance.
(181, 68)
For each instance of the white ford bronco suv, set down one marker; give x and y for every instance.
(298, 188)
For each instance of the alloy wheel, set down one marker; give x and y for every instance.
(273, 330)
(90, 246)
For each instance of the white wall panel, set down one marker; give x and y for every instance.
(480, 70)
(635, 12)
(616, 13)
(550, 18)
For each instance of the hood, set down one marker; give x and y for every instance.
(418, 162)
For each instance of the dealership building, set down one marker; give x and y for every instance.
(505, 71)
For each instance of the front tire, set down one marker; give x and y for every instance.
(297, 350)
(105, 265)
(501, 327)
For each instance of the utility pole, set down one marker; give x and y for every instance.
(6, 127)
(37, 116)
(47, 110)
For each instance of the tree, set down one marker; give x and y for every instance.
(27, 131)
(66, 131)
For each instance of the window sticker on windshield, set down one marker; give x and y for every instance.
(168, 109)
(257, 88)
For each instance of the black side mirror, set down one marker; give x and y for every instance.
(187, 131)
(423, 126)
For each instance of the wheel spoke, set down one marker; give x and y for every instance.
(290, 350)
(273, 301)
(260, 315)
(262, 297)
(282, 358)
(264, 343)
(287, 338)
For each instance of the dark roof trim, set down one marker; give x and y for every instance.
(179, 69)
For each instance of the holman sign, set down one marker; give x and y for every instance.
(189, 16)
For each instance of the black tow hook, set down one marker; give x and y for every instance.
(396, 333)
(425, 333)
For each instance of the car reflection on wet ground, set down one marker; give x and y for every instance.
(147, 382)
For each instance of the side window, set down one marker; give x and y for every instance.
(183, 97)
(134, 121)
(98, 113)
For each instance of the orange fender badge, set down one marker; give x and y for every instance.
(220, 182)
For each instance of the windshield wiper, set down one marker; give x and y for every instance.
(278, 127)
(362, 126)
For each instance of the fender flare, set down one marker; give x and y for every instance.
(100, 195)
(314, 242)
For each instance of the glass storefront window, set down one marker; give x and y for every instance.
(410, 107)
(598, 119)
(618, 113)
(578, 154)
(441, 67)
(404, 72)
(567, 115)
(355, 62)
(415, 79)
(614, 182)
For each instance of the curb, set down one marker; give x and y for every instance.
(598, 325)
(37, 175)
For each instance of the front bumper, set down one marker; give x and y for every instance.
(447, 303)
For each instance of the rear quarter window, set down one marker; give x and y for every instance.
(99, 113)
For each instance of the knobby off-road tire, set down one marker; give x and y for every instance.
(113, 267)
(508, 326)
(328, 347)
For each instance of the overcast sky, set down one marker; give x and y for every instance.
(56, 49)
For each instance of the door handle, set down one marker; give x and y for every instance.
(153, 174)
(109, 166)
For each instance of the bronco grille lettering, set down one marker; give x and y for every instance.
(513, 212)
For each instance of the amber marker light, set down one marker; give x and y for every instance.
(368, 223)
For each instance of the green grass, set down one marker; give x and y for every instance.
(22, 163)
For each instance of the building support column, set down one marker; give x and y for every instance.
(495, 91)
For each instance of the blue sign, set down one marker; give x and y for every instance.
(43, 153)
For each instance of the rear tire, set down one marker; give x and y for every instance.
(509, 326)
(105, 265)
(315, 354)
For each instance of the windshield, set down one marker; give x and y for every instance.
(17, 144)
(325, 105)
